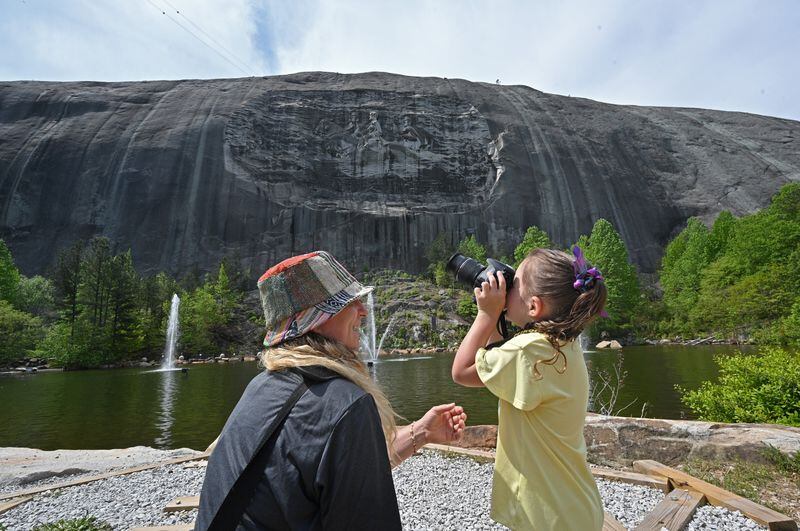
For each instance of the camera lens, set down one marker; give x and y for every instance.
(466, 270)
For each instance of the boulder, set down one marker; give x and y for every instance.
(614, 344)
(618, 441)
(603, 344)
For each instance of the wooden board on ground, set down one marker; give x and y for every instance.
(177, 527)
(774, 520)
(674, 512)
(458, 450)
(655, 482)
(6, 506)
(183, 504)
(612, 524)
(105, 475)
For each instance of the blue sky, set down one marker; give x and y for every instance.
(737, 55)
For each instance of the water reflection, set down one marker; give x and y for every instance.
(166, 419)
(122, 408)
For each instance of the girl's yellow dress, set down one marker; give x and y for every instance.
(541, 478)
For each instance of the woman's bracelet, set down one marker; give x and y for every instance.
(413, 440)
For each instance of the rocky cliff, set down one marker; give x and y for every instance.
(370, 166)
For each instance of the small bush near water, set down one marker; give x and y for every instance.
(760, 387)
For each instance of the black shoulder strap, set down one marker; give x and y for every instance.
(230, 512)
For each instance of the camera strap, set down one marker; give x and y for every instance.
(502, 327)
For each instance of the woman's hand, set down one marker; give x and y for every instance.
(491, 296)
(442, 424)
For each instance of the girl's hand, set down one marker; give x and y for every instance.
(491, 296)
(442, 424)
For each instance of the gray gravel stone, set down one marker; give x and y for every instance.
(434, 492)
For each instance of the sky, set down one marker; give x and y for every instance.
(737, 55)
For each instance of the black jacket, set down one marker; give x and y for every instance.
(328, 467)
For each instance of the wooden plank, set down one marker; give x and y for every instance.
(774, 520)
(674, 512)
(612, 524)
(105, 475)
(183, 504)
(177, 527)
(634, 478)
(6, 506)
(458, 450)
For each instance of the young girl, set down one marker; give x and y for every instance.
(541, 478)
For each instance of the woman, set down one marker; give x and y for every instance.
(327, 464)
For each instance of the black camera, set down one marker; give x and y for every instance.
(471, 272)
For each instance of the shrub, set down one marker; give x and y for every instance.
(19, 332)
(762, 387)
(86, 523)
(466, 307)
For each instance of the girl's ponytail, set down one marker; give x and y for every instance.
(576, 291)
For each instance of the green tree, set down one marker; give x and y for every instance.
(745, 288)
(607, 251)
(121, 326)
(685, 259)
(36, 295)
(20, 332)
(155, 299)
(437, 254)
(67, 281)
(535, 238)
(470, 247)
(226, 298)
(762, 387)
(720, 235)
(9, 274)
(95, 284)
(200, 317)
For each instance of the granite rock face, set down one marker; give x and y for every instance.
(371, 167)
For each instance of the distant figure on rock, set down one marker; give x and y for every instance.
(541, 478)
(311, 443)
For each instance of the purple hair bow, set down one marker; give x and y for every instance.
(585, 277)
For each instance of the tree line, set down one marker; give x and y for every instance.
(94, 309)
(733, 280)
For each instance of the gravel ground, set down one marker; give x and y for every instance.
(435, 492)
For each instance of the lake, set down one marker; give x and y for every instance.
(128, 407)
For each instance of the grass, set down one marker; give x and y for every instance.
(740, 477)
(782, 461)
(774, 484)
(86, 523)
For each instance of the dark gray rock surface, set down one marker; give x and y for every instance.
(369, 166)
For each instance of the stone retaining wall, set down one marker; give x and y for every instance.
(618, 441)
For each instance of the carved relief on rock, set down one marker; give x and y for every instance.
(403, 151)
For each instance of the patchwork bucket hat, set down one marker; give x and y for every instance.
(302, 292)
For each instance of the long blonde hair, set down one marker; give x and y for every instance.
(315, 349)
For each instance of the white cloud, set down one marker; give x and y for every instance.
(709, 54)
(734, 55)
(127, 40)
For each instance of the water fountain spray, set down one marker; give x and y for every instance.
(173, 332)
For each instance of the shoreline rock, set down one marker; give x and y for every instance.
(22, 466)
(618, 441)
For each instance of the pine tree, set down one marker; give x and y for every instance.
(535, 238)
(121, 324)
(9, 275)
(470, 247)
(607, 251)
(67, 280)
